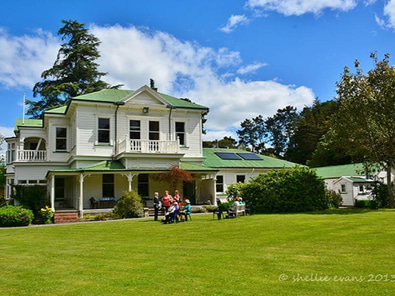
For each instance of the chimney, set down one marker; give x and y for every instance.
(152, 85)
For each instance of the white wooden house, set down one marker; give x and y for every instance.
(105, 143)
(102, 144)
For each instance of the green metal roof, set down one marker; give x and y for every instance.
(57, 110)
(337, 171)
(115, 95)
(28, 122)
(195, 168)
(102, 166)
(214, 161)
(360, 180)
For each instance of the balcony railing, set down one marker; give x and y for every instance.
(32, 155)
(148, 146)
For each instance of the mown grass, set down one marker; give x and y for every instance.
(343, 252)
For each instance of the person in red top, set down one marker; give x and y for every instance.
(177, 197)
(167, 200)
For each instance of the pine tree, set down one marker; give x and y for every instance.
(74, 72)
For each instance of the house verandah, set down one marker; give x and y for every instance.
(102, 184)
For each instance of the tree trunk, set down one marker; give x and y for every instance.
(389, 186)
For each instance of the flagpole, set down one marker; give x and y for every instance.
(23, 116)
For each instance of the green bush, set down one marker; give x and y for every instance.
(15, 216)
(210, 209)
(335, 199)
(372, 204)
(297, 189)
(32, 197)
(198, 210)
(235, 189)
(129, 206)
(45, 215)
(380, 195)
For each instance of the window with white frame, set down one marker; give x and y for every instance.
(180, 132)
(143, 185)
(135, 130)
(59, 188)
(220, 184)
(343, 186)
(103, 131)
(61, 139)
(153, 130)
(240, 178)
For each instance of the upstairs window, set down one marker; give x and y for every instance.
(135, 130)
(103, 132)
(180, 132)
(61, 138)
(154, 130)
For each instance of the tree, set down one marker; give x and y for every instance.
(280, 128)
(74, 72)
(174, 176)
(311, 125)
(225, 142)
(365, 122)
(253, 134)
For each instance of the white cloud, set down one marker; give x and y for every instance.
(233, 22)
(133, 55)
(251, 68)
(389, 12)
(23, 58)
(300, 7)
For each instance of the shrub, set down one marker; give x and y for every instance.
(198, 210)
(210, 209)
(32, 197)
(372, 204)
(45, 215)
(297, 189)
(235, 189)
(335, 199)
(15, 216)
(129, 206)
(380, 195)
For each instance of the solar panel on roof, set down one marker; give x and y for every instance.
(228, 155)
(249, 156)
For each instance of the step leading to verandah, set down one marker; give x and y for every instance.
(65, 217)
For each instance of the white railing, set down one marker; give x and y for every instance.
(32, 155)
(148, 146)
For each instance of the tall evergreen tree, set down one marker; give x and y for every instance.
(74, 72)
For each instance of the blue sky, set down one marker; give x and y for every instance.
(239, 58)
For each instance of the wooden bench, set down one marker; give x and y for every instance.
(241, 209)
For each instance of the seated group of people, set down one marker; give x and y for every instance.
(174, 214)
(172, 206)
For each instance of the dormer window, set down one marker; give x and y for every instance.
(103, 132)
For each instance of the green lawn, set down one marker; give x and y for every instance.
(342, 252)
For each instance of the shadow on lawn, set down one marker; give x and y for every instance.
(342, 211)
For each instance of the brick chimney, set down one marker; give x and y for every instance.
(152, 85)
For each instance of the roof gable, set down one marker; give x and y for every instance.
(145, 96)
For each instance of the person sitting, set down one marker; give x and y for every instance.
(186, 210)
(176, 210)
(169, 215)
(232, 211)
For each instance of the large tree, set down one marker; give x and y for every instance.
(74, 72)
(253, 134)
(311, 125)
(280, 128)
(365, 122)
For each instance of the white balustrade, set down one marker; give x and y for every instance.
(152, 146)
(32, 155)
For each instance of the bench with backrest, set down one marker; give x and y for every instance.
(240, 210)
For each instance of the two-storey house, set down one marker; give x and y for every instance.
(102, 144)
